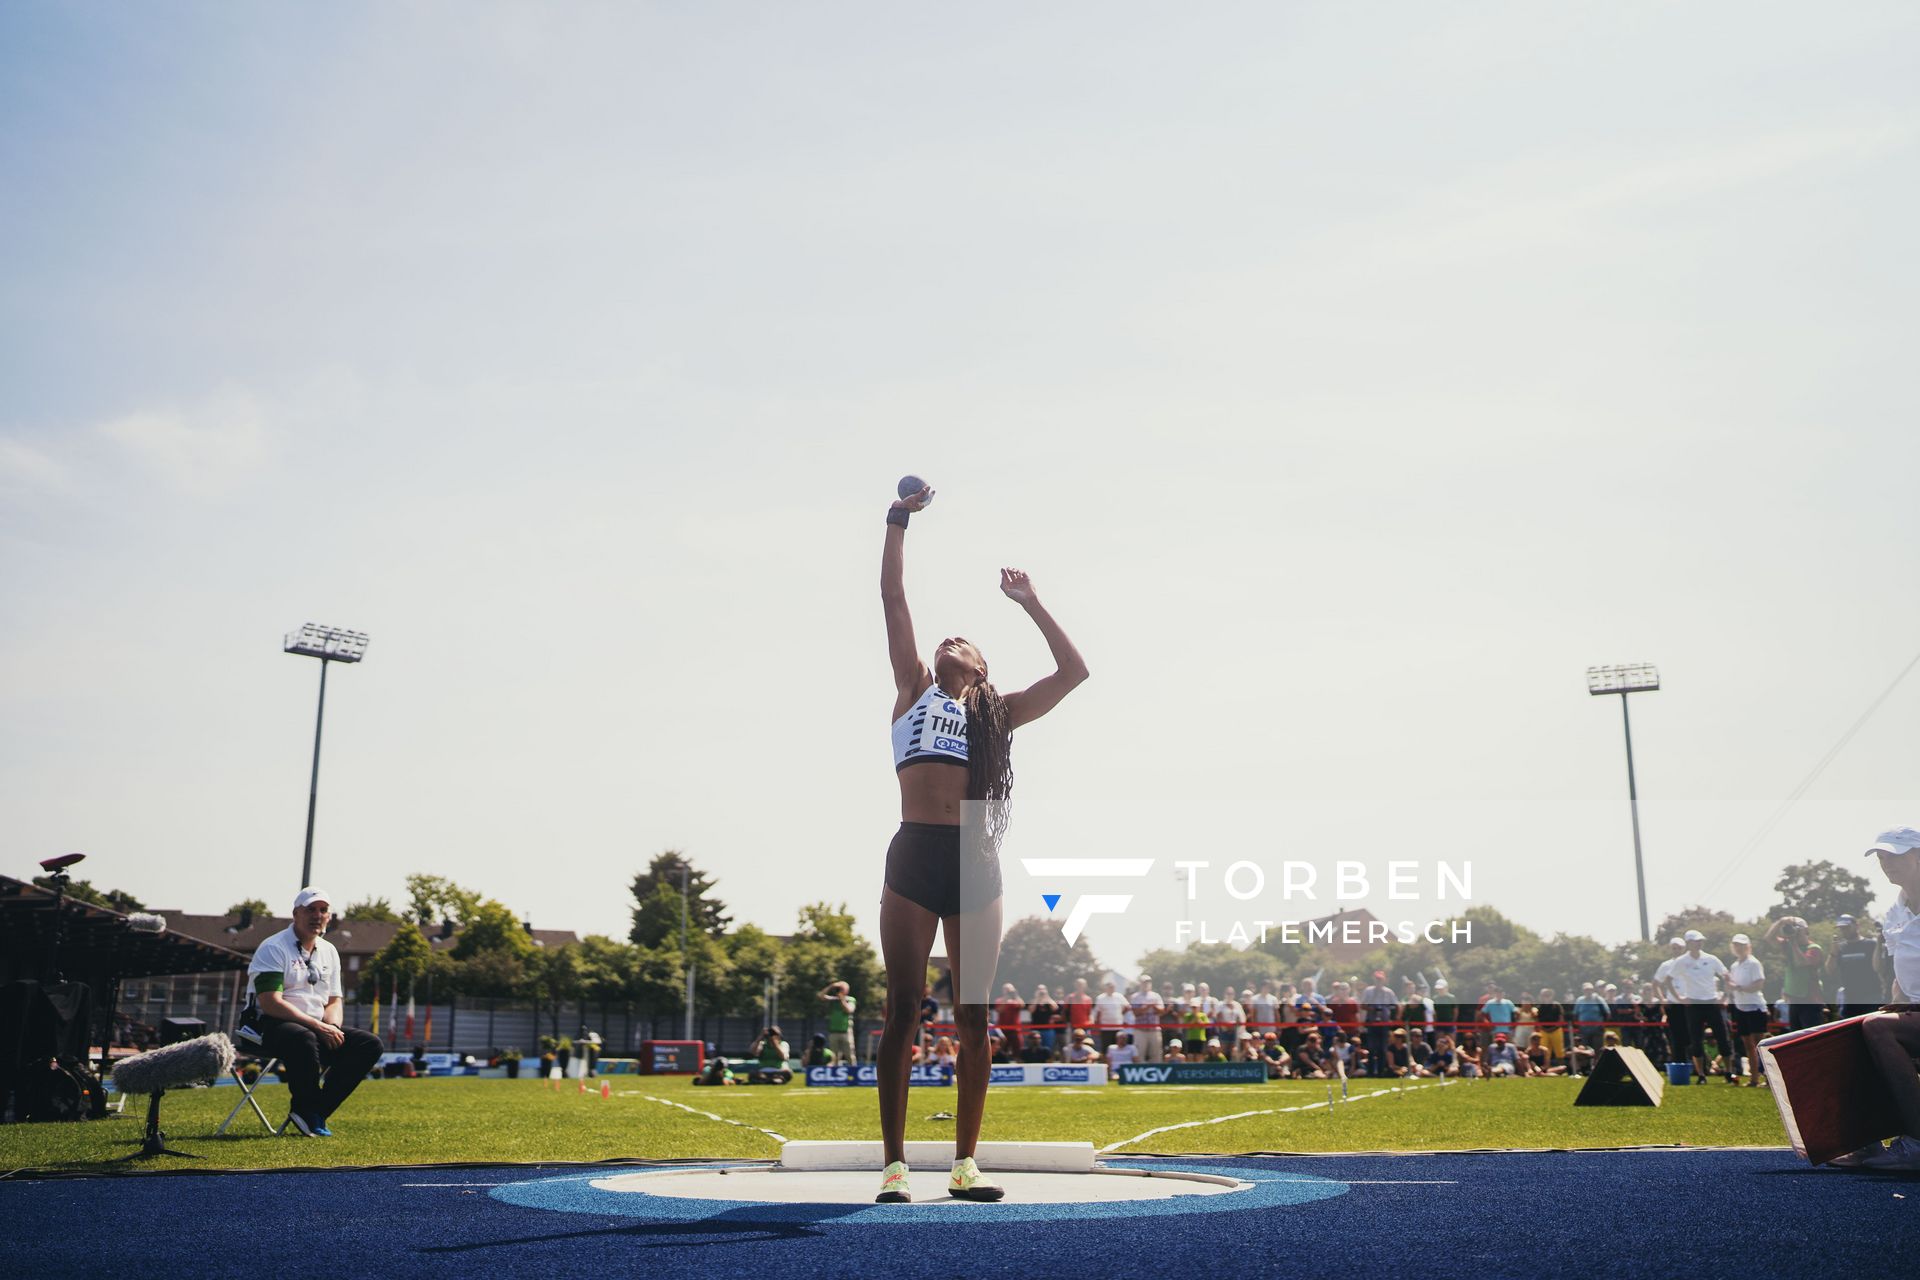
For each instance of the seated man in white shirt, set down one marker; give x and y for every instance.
(295, 977)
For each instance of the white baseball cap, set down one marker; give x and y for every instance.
(1694, 935)
(1897, 841)
(1676, 942)
(311, 894)
(1743, 939)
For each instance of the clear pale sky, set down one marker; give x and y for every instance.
(1348, 378)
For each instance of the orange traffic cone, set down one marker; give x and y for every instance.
(583, 1085)
(606, 1088)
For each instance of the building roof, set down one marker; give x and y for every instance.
(97, 942)
(350, 937)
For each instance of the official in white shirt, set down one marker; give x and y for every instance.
(1670, 1008)
(296, 985)
(1747, 980)
(1696, 978)
(1893, 1034)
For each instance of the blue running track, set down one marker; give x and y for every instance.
(1628, 1213)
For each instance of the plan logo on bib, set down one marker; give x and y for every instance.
(1087, 906)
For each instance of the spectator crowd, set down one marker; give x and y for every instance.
(1696, 1008)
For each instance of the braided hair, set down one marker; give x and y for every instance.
(989, 755)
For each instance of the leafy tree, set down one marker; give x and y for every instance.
(404, 959)
(659, 973)
(1219, 964)
(436, 897)
(255, 906)
(827, 949)
(492, 956)
(1719, 926)
(705, 912)
(659, 982)
(753, 956)
(1820, 892)
(607, 968)
(1490, 929)
(491, 926)
(656, 919)
(83, 891)
(555, 975)
(1034, 951)
(376, 909)
(493, 974)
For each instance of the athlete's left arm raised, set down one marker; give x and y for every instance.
(1044, 694)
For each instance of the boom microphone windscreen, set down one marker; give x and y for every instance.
(177, 1066)
(146, 922)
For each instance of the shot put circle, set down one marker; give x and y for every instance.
(728, 1195)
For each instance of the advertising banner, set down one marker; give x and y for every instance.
(1193, 1073)
(865, 1075)
(1056, 1073)
(670, 1057)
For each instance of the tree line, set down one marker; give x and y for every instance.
(494, 955)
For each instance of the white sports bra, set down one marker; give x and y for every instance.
(934, 728)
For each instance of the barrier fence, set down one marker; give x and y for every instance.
(1638, 1032)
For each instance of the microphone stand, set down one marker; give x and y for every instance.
(156, 1141)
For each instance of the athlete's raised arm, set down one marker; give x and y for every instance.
(1044, 694)
(910, 674)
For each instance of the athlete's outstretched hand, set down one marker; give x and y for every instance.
(1017, 585)
(915, 501)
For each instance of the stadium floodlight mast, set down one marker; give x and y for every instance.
(686, 957)
(1632, 677)
(329, 644)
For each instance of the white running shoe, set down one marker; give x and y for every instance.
(1903, 1154)
(966, 1182)
(893, 1185)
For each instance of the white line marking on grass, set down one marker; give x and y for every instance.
(667, 1102)
(1269, 1111)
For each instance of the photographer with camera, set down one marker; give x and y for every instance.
(1804, 959)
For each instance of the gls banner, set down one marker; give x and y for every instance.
(864, 1074)
(1193, 1073)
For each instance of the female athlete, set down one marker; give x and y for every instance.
(951, 733)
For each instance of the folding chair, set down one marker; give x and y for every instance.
(246, 1095)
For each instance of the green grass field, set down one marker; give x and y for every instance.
(472, 1120)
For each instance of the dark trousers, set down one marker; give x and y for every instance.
(1801, 1016)
(1377, 1036)
(303, 1054)
(1677, 1044)
(1711, 1014)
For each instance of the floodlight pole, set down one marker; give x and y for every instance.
(328, 644)
(1633, 803)
(313, 786)
(685, 953)
(1637, 677)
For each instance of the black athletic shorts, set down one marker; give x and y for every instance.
(1749, 1022)
(923, 866)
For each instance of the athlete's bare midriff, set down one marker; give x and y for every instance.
(932, 792)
